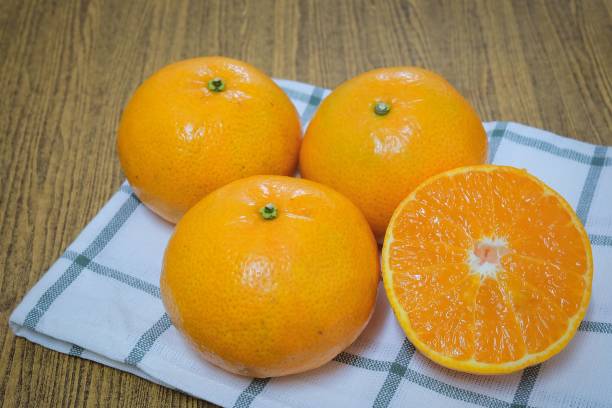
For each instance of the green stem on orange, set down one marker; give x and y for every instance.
(381, 108)
(268, 211)
(216, 85)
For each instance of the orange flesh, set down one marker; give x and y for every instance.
(487, 265)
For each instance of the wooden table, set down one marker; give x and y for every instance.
(68, 68)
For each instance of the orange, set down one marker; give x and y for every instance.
(379, 135)
(488, 269)
(271, 275)
(198, 124)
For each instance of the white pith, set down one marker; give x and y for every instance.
(486, 269)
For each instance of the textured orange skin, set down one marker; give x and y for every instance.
(377, 160)
(266, 298)
(178, 141)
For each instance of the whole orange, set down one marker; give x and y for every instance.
(379, 135)
(271, 275)
(198, 124)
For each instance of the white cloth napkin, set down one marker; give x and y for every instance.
(100, 301)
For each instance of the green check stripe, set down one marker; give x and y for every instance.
(129, 280)
(74, 270)
(313, 102)
(523, 391)
(303, 96)
(76, 350)
(363, 362)
(552, 149)
(453, 392)
(595, 327)
(422, 380)
(394, 376)
(588, 191)
(146, 341)
(248, 395)
(125, 188)
(495, 138)
(600, 240)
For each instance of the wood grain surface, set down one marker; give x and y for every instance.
(68, 67)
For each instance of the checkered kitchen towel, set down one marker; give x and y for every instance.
(101, 301)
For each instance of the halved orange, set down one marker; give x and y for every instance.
(488, 270)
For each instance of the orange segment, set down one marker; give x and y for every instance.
(426, 282)
(488, 270)
(540, 319)
(445, 319)
(496, 332)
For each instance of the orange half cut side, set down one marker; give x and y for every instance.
(487, 269)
